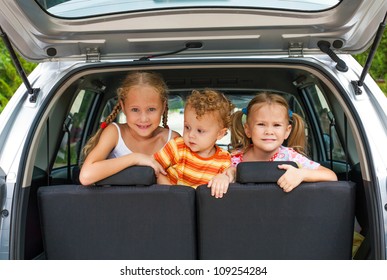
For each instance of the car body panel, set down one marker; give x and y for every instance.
(242, 39)
(214, 31)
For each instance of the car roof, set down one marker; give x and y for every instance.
(99, 30)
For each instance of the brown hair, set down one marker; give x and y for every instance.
(296, 139)
(132, 79)
(209, 100)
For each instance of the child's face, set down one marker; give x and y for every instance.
(268, 126)
(201, 134)
(143, 109)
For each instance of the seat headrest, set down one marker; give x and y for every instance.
(131, 176)
(260, 171)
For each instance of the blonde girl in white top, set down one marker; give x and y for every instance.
(143, 98)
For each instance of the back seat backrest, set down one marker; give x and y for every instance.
(118, 222)
(133, 176)
(260, 221)
(268, 171)
(252, 221)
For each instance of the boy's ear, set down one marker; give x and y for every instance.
(222, 133)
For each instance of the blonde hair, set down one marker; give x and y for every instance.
(297, 137)
(133, 79)
(209, 100)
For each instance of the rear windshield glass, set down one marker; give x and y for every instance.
(90, 8)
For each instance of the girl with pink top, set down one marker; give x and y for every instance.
(269, 122)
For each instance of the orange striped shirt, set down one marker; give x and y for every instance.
(185, 167)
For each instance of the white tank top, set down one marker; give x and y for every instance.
(121, 149)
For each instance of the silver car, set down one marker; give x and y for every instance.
(301, 50)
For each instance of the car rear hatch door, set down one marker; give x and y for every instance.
(94, 30)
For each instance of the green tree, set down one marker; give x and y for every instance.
(9, 77)
(378, 70)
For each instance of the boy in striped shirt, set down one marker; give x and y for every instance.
(195, 159)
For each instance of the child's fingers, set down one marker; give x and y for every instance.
(159, 170)
(285, 184)
(214, 188)
(218, 191)
(219, 186)
(221, 189)
(162, 171)
(211, 184)
(282, 183)
(285, 166)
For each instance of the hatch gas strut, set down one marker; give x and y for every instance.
(374, 47)
(33, 92)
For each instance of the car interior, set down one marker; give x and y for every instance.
(129, 216)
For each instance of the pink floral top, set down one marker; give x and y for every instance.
(283, 154)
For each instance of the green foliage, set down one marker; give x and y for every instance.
(383, 87)
(378, 70)
(9, 77)
(379, 64)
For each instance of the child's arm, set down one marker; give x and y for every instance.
(166, 157)
(231, 173)
(295, 176)
(95, 170)
(163, 180)
(96, 167)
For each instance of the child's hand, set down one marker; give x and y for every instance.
(219, 185)
(147, 160)
(291, 179)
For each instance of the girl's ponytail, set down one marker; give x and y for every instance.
(297, 138)
(239, 139)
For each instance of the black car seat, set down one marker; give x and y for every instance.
(257, 220)
(126, 216)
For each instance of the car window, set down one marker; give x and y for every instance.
(74, 128)
(74, 9)
(326, 121)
